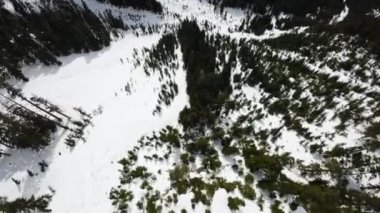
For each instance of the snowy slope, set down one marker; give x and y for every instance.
(121, 97)
(82, 177)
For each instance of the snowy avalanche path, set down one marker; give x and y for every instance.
(83, 177)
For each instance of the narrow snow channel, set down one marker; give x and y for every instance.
(82, 177)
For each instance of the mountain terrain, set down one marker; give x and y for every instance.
(190, 106)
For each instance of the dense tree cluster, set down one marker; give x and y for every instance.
(316, 14)
(22, 128)
(27, 205)
(162, 58)
(317, 196)
(298, 8)
(289, 77)
(58, 27)
(161, 54)
(208, 86)
(150, 5)
(275, 75)
(26, 122)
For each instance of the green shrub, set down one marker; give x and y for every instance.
(234, 203)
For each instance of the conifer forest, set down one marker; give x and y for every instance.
(179, 106)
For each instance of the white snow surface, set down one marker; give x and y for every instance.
(8, 6)
(83, 177)
(341, 16)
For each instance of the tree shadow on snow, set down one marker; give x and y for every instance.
(35, 71)
(20, 161)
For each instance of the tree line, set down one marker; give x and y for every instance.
(150, 5)
(58, 28)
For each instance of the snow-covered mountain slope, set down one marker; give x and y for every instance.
(193, 111)
(83, 176)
